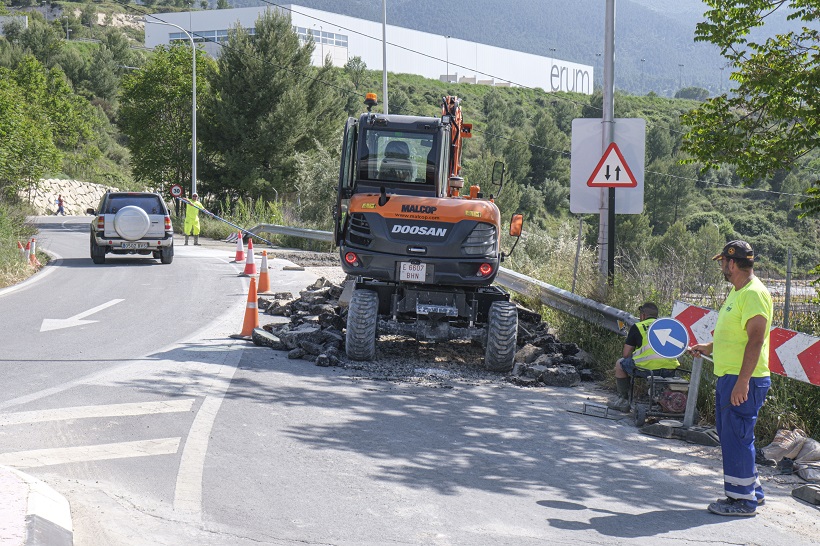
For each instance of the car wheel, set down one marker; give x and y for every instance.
(166, 255)
(131, 223)
(97, 252)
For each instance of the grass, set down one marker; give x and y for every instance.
(14, 229)
(790, 403)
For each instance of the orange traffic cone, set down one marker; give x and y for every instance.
(23, 252)
(250, 265)
(32, 257)
(27, 251)
(240, 250)
(264, 278)
(251, 312)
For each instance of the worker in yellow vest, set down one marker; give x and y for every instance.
(639, 359)
(192, 209)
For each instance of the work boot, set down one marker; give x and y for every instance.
(196, 240)
(619, 404)
(186, 240)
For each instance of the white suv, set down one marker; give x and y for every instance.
(132, 223)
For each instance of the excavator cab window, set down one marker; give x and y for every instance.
(398, 158)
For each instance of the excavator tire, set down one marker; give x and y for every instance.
(362, 316)
(502, 331)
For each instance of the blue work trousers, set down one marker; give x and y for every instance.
(736, 429)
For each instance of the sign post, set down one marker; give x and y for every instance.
(176, 193)
(669, 338)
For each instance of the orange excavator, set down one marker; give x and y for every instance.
(423, 255)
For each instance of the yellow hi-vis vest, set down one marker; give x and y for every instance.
(645, 357)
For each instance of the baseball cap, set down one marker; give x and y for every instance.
(736, 250)
(649, 309)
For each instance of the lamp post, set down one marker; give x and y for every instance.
(552, 63)
(721, 78)
(384, 56)
(597, 58)
(643, 87)
(447, 54)
(193, 101)
(680, 77)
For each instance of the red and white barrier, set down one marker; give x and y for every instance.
(791, 354)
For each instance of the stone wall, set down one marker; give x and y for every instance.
(77, 196)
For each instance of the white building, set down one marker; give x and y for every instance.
(408, 51)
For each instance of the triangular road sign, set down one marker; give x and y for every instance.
(612, 171)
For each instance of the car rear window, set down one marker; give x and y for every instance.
(151, 204)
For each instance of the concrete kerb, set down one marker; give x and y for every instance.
(32, 512)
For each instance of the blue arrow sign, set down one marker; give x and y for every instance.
(668, 337)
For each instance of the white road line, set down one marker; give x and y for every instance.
(188, 491)
(79, 454)
(90, 412)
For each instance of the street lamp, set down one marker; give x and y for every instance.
(321, 44)
(193, 100)
(643, 87)
(447, 50)
(597, 58)
(680, 76)
(552, 63)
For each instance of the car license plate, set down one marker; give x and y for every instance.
(134, 245)
(412, 272)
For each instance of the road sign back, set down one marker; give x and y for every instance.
(668, 337)
(612, 171)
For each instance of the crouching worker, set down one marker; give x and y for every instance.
(192, 209)
(639, 360)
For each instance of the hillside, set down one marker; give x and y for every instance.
(661, 32)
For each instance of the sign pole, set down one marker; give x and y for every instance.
(692, 395)
(606, 227)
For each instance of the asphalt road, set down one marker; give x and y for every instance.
(160, 429)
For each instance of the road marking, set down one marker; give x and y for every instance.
(76, 320)
(80, 454)
(188, 491)
(90, 412)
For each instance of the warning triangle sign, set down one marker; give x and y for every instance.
(612, 171)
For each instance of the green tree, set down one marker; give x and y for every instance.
(692, 93)
(667, 192)
(356, 69)
(222, 4)
(517, 156)
(268, 105)
(548, 144)
(155, 114)
(102, 74)
(27, 149)
(770, 120)
(658, 143)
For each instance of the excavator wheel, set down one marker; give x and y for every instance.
(502, 331)
(362, 315)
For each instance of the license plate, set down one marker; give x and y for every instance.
(134, 245)
(412, 272)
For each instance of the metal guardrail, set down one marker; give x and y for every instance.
(589, 310)
(586, 309)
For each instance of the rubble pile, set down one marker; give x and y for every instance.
(315, 332)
